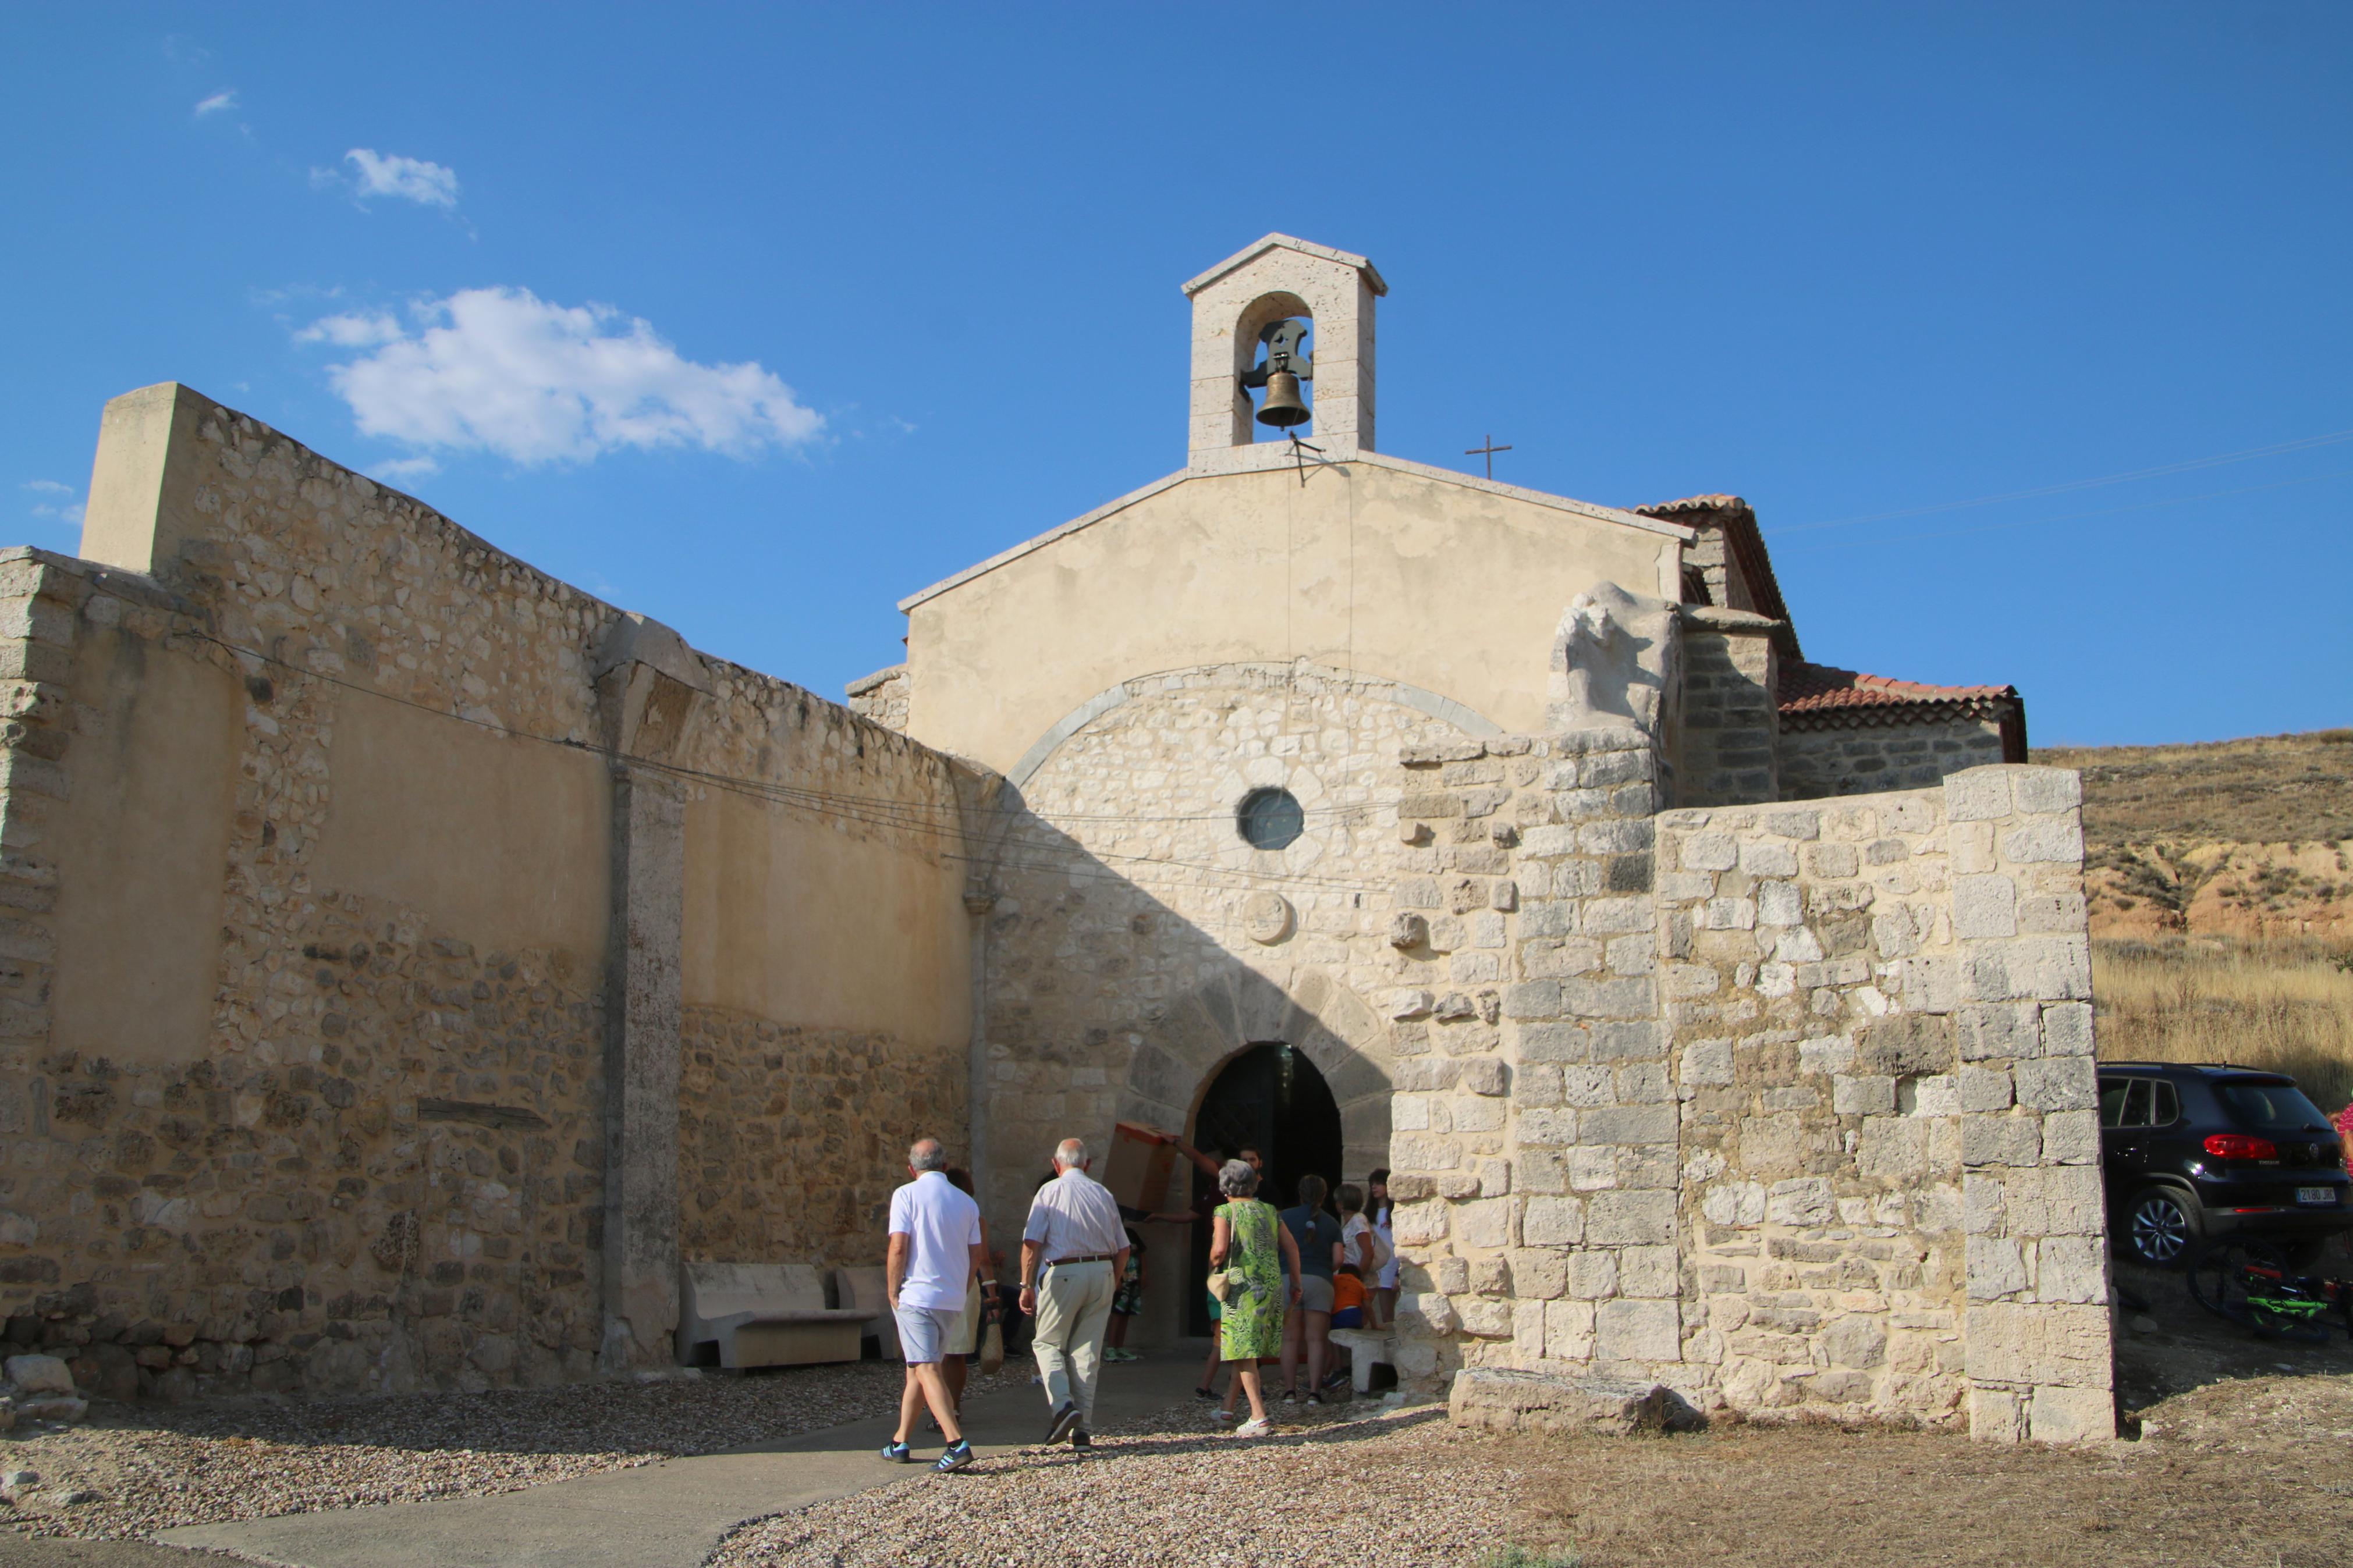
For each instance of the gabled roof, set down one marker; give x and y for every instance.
(1823, 688)
(1268, 456)
(1373, 279)
(1742, 534)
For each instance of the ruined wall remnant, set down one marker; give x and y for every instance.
(323, 822)
(1792, 1109)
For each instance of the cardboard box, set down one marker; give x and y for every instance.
(1138, 1169)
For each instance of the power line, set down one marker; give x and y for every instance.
(914, 818)
(2190, 465)
(2064, 517)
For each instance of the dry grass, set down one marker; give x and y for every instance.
(2282, 1007)
(2277, 789)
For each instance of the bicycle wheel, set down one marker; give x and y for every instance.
(2218, 1273)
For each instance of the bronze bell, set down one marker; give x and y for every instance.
(1283, 407)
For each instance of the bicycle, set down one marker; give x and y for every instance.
(2247, 1281)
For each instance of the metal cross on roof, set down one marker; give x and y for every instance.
(1489, 450)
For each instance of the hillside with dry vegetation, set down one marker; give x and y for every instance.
(2221, 902)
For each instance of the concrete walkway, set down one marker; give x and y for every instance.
(666, 1515)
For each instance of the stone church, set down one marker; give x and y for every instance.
(411, 959)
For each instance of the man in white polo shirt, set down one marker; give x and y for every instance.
(935, 1253)
(1073, 1252)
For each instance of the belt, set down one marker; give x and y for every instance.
(1090, 1257)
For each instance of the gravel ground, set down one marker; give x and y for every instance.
(157, 1468)
(2249, 1473)
(1367, 1491)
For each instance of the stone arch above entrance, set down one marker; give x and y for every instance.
(1247, 674)
(1304, 1008)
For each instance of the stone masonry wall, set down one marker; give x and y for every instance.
(1792, 1107)
(382, 1164)
(791, 1139)
(1883, 1044)
(1818, 759)
(883, 696)
(1729, 750)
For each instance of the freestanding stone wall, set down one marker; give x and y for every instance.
(1792, 1106)
(407, 958)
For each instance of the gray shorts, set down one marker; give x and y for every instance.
(1314, 1293)
(924, 1329)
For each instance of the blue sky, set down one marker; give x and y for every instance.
(758, 319)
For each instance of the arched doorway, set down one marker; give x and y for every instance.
(1270, 1097)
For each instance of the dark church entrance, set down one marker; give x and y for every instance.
(1272, 1098)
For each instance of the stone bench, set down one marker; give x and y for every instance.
(863, 1290)
(761, 1314)
(1366, 1347)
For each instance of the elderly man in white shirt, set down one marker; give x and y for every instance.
(1073, 1253)
(935, 1252)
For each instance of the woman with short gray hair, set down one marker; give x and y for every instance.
(1254, 1272)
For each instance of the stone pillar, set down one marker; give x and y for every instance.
(1593, 1113)
(1535, 1163)
(2033, 1201)
(641, 1071)
(650, 685)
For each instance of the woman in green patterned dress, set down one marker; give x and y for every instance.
(1261, 1260)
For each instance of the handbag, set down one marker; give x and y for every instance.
(992, 1349)
(1226, 1283)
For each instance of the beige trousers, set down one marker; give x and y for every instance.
(1073, 1311)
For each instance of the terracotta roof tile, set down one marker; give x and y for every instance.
(1820, 688)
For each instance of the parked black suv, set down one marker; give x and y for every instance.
(2198, 1152)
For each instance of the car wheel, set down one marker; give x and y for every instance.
(2161, 1225)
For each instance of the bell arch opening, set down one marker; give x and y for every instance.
(1270, 1097)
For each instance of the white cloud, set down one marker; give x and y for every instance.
(501, 369)
(66, 508)
(356, 331)
(400, 470)
(217, 103)
(410, 179)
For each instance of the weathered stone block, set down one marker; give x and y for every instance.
(2072, 1415)
(2057, 1083)
(1484, 1075)
(2038, 842)
(1985, 906)
(1982, 1089)
(1626, 1330)
(2070, 1268)
(1630, 1218)
(2035, 1343)
(1504, 1400)
(2001, 1139)
(1800, 1201)
(1977, 795)
(1873, 1095)
(1906, 1045)
(1628, 1124)
(1552, 1221)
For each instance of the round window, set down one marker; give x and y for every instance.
(1268, 819)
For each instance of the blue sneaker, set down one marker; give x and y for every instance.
(899, 1453)
(958, 1455)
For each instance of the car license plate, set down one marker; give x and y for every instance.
(2315, 1194)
